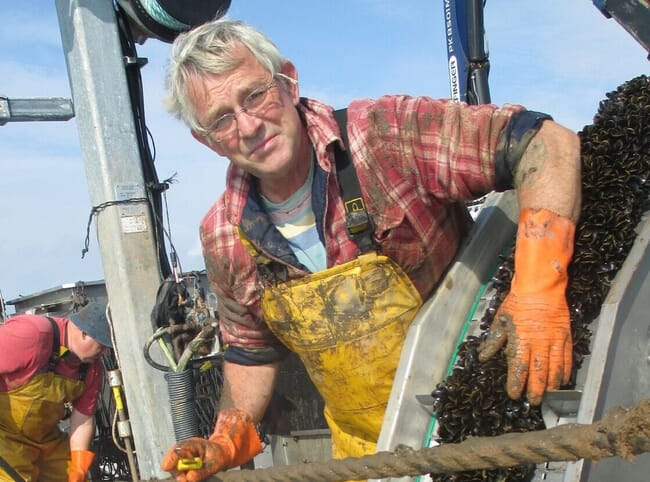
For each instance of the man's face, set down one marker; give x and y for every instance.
(88, 349)
(267, 143)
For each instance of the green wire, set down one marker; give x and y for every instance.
(165, 348)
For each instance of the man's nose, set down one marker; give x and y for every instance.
(247, 124)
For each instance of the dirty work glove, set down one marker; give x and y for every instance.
(234, 441)
(80, 462)
(534, 317)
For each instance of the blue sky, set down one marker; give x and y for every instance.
(556, 56)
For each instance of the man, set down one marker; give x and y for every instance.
(46, 362)
(290, 274)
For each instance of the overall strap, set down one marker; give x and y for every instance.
(56, 351)
(358, 223)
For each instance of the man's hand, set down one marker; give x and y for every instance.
(233, 442)
(534, 317)
(539, 350)
(213, 454)
(80, 462)
(230, 310)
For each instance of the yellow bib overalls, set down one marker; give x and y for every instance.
(347, 324)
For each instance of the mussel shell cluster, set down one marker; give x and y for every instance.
(615, 156)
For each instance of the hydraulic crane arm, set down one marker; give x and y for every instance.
(466, 53)
(633, 15)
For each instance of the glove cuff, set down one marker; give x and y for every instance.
(543, 252)
(236, 431)
(81, 460)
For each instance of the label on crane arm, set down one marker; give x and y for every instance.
(454, 80)
(132, 206)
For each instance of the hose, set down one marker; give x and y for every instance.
(207, 333)
(157, 336)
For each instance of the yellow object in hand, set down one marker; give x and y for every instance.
(190, 464)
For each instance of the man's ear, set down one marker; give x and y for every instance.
(214, 146)
(290, 71)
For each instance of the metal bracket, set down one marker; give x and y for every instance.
(37, 109)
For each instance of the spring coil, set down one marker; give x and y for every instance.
(180, 386)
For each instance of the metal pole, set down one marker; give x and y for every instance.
(125, 232)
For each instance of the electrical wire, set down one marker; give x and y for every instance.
(144, 138)
(157, 336)
(116, 441)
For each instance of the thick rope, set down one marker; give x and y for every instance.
(621, 432)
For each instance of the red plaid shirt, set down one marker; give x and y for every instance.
(417, 160)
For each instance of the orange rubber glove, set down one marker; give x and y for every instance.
(80, 462)
(534, 317)
(234, 441)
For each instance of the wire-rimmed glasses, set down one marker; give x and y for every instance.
(255, 104)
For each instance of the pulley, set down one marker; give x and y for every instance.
(165, 19)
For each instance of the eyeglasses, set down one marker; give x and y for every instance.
(255, 104)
